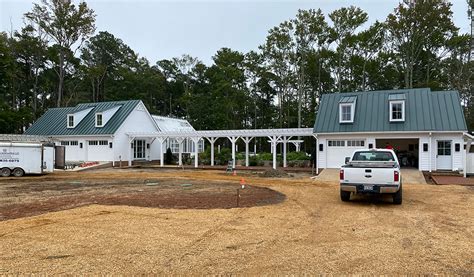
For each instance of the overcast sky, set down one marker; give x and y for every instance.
(165, 29)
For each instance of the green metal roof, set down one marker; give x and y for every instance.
(54, 121)
(424, 111)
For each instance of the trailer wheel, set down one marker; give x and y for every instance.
(5, 172)
(18, 172)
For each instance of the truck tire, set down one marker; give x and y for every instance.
(397, 197)
(18, 172)
(5, 172)
(345, 195)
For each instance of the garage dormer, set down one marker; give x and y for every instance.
(347, 106)
(73, 119)
(397, 107)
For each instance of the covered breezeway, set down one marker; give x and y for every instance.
(275, 136)
(407, 150)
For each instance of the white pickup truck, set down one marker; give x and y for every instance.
(371, 171)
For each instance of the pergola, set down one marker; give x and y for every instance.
(275, 136)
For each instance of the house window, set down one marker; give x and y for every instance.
(70, 121)
(73, 143)
(355, 143)
(397, 111)
(425, 147)
(336, 143)
(98, 120)
(457, 147)
(64, 143)
(346, 113)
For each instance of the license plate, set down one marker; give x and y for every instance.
(368, 187)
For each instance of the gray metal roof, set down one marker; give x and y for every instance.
(397, 96)
(348, 99)
(54, 121)
(424, 111)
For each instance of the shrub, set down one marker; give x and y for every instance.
(297, 156)
(168, 156)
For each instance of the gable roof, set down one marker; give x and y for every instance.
(169, 124)
(424, 111)
(54, 121)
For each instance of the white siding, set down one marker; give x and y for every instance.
(423, 157)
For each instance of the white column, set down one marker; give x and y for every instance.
(130, 156)
(212, 141)
(180, 152)
(274, 141)
(247, 141)
(162, 155)
(316, 158)
(431, 157)
(284, 151)
(233, 140)
(196, 156)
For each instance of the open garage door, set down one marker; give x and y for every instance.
(407, 150)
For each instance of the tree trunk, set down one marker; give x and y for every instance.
(61, 77)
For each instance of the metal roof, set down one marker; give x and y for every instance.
(54, 121)
(167, 124)
(398, 96)
(424, 111)
(348, 99)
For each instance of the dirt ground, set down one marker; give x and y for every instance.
(310, 232)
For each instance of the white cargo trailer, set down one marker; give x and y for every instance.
(19, 158)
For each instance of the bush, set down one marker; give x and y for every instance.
(224, 156)
(168, 156)
(253, 161)
(297, 156)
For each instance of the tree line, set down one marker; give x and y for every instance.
(57, 59)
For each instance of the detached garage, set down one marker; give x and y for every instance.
(425, 128)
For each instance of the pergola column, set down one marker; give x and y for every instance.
(247, 141)
(162, 155)
(233, 140)
(285, 140)
(212, 140)
(130, 156)
(274, 142)
(196, 141)
(180, 150)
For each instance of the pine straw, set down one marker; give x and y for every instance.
(311, 232)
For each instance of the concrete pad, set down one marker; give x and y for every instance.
(410, 176)
(413, 176)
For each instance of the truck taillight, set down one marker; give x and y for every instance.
(341, 174)
(396, 176)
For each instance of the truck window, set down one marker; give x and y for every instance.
(373, 156)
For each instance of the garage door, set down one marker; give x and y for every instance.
(338, 150)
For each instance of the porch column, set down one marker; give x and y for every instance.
(247, 141)
(196, 141)
(466, 155)
(233, 140)
(431, 157)
(212, 140)
(316, 151)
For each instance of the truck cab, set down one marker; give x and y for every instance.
(371, 171)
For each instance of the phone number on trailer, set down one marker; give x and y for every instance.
(9, 160)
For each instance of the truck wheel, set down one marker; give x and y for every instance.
(397, 197)
(18, 172)
(5, 172)
(345, 195)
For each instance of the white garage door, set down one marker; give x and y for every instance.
(338, 150)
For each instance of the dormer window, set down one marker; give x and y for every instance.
(98, 120)
(70, 121)
(347, 109)
(397, 107)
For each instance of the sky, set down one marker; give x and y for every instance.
(164, 29)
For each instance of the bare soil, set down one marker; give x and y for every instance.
(311, 232)
(28, 198)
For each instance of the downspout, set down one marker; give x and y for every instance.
(113, 151)
(316, 162)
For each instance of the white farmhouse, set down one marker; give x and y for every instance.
(426, 128)
(99, 131)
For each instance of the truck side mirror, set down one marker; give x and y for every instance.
(348, 159)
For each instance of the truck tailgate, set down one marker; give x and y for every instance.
(361, 175)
